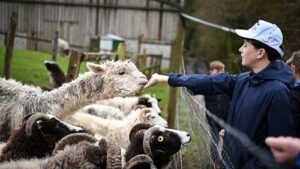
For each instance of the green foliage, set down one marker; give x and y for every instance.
(210, 44)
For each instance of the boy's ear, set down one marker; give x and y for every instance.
(261, 53)
(95, 67)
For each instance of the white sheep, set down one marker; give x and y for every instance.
(126, 104)
(103, 111)
(118, 130)
(63, 47)
(105, 81)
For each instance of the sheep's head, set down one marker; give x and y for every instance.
(159, 141)
(48, 125)
(123, 76)
(150, 116)
(150, 101)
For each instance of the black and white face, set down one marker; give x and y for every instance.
(168, 141)
(150, 116)
(150, 102)
(58, 128)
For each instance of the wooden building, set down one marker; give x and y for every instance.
(144, 24)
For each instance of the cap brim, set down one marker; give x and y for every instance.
(244, 33)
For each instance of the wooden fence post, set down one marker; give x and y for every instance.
(121, 50)
(74, 65)
(142, 60)
(176, 54)
(55, 46)
(10, 45)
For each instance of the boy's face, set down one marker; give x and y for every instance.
(249, 55)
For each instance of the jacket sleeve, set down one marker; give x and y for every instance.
(298, 161)
(221, 83)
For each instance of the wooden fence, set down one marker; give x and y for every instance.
(154, 65)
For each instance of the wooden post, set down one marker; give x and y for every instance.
(74, 65)
(142, 60)
(10, 45)
(176, 54)
(121, 50)
(55, 46)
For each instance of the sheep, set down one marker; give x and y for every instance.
(75, 151)
(151, 146)
(36, 137)
(89, 153)
(104, 81)
(82, 156)
(118, 130)
(157, 142)
(57, 76)
(63, 47)
(123, 104)
(103, 111)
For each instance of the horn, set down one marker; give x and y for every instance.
(72, 139)
(137, 128)
(138, 160)
(147, 139)
(32, 119)
(114, 156)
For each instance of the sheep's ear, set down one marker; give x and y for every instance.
(146, 112)
(95, 67)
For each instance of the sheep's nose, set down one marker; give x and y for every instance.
(189, 136)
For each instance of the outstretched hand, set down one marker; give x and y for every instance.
(156, 78)
(284, 149)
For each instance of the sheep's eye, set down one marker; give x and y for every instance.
(122, 73)
(160, 139)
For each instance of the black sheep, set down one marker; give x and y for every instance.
(36, 137)
(157, 142)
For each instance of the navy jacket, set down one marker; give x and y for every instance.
(260, 106)
(296, 108)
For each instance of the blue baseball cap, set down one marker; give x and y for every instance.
(264, 32)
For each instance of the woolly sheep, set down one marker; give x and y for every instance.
(57, 76)
(103, 111)
(154, 144)
(157, 142)
(150, 147)
(118, 130)
(124, 104)
(36, 137)
(82, 156)
(76, 151)
(63, 47)
(103, 82)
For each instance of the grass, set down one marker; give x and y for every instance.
(27, 66)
